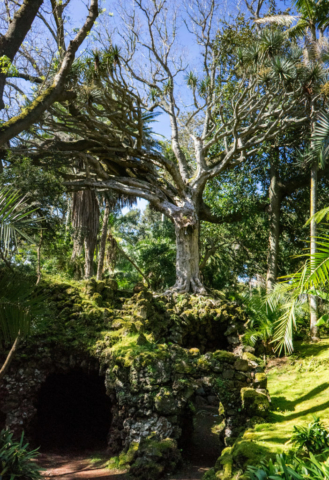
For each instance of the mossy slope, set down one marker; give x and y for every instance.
(299, 389)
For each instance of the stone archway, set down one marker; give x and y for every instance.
(73, 412)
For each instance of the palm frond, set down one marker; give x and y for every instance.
(299, 30)
(285, 20)
(320, 138)
(319, 216)
(15, 218)
(18, 305)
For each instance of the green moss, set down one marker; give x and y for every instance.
(254, 403)
(299, 388)
(247, 451)
(97, 299)
(27, 110)
(223, 356)
(125, 459)
(194, 352)
(154, 458)
(261, 379)
(250, 357)
(224, 464)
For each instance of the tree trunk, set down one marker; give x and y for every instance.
(10, 356)
(39, 258)
(111, 253)
(103, 242)
(274, 217)
(187, 260)
(313, 230)
(85, 222)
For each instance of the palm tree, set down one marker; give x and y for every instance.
(314, 275)
(17, 308)
(312, 19)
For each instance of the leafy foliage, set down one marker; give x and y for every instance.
(314, 437)
(290, 469)
(19, 306)
(262, 317)
(15, 218)
(280, 469)
(16, 459)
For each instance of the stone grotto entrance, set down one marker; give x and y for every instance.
(73, 413)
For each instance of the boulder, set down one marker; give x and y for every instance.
(254, 403)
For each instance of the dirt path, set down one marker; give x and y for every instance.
(69, 467)
(200, 453)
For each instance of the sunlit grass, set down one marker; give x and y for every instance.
(299, 389)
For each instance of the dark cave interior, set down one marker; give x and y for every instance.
(73, 413)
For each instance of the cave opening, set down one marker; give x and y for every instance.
(200, 444)
(73, 413)
(209, 340)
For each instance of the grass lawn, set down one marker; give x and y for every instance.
(299, 389)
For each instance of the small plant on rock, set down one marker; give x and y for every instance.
(16, 460)
(314, 438)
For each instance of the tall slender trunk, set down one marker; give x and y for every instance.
(313, 301)
(313, 201)
(187, 259)
(274, 230)
(68, 212)
(111, 253)
(101, 255)
(39, 258)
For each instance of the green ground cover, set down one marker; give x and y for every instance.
(299, 389)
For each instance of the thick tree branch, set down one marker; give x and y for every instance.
(14, 37)
(32, 113)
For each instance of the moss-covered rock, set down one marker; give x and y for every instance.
(153, 459)
(241, 365)
(222, 355)
(97, 299)
(161, 357)
(260, 380)
(254, 403)
(250, 357)
(224, 464)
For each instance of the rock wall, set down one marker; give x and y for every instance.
(163, 359)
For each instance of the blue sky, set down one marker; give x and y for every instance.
(184, 39)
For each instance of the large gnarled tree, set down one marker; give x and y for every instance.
(231, 113)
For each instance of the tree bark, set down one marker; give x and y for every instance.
(9, 359)
(39, 105)
(187, 260)
(39, 258)
(14, 37)
(313, 230)
(102, 247)
(274, 217)
(85, 222)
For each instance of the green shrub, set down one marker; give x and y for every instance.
(314, 469)
(16, 459)
(277, 470)
(290, 469)
(314, 438)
